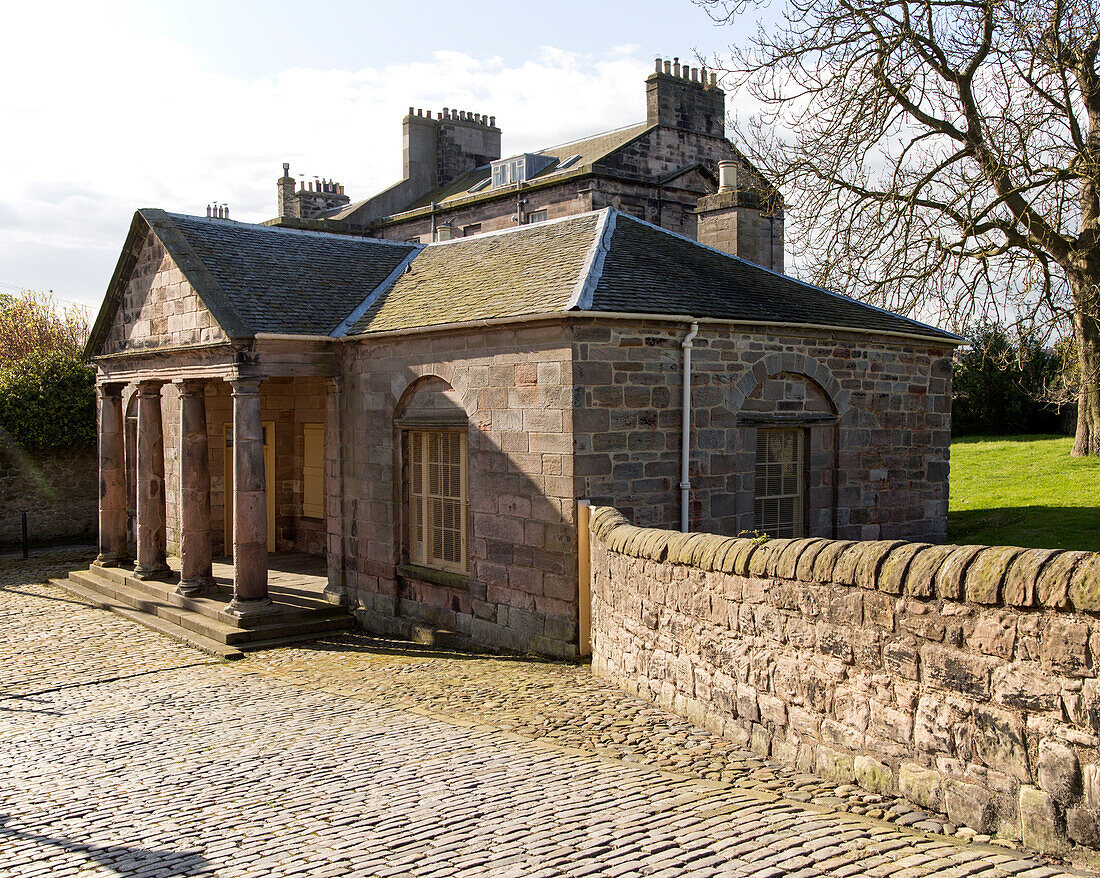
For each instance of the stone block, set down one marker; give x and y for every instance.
(901, 657)
(805, 569)
(787, 566)
(1081, 827)
(772, 709)
(955, 670)
(1064, 647)
(1040, 823)
(1019, 585)
(969, 804)
(920, 785)
(873, 776)
(826, 560)
(1059, 770)
(847, 563)
(1023, 686)
(1091, 784)
(994, 633)
(999, 741)
(1084, 587)
(834, 765)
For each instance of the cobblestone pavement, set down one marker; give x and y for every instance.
(124, 753)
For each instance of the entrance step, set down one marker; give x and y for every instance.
(202, 621)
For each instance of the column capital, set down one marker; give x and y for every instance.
(246, 386)
(191, 386)
(334, 384)
(149, 387)
(110, 388)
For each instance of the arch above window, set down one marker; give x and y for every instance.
(430, 402)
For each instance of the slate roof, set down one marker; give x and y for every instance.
(590, 150)
(265, 279)
(530, 270)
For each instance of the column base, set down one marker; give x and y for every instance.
(336, 594)
(151, 572)
(109, 560)
(243, 609)
(191, 588)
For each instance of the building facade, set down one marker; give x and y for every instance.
(675, 170)
(427, 417)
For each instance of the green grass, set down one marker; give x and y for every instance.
(1023, 491)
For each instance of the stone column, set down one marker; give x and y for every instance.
(112, 476)
(152, 537)
(335, 591)
(250, 596)
(196, 553)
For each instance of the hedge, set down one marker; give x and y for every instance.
(48, 401)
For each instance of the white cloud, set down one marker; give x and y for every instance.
(113, 119)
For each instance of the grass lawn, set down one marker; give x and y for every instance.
(1023, 491)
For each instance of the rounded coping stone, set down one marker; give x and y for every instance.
(1052, 586)
(805, 569)
(775, 555)
(874, 553)
(1084, 588)
(844, 572)
(826, 560)
(688, 549)
(787, 567)
(744, 556)
(985, 576)
(676, 542)
(921, 577)
(656, 545)
(729, 544)
(949, 579)
(763, 562)
(892, 573)
(703, 556)
(1023, 574)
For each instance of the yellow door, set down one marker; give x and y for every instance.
(269, 475)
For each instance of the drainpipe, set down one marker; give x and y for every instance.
(685, 441)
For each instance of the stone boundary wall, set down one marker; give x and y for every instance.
(961, 677)
(59, 490)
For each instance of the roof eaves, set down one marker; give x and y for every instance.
(348, 322)
(197, 274)
(935, 330)
(593, 262)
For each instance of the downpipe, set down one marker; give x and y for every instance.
(685, 439)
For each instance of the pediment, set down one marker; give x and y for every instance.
(157, 307)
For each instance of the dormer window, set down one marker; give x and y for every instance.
(571, 160)
(519, 169)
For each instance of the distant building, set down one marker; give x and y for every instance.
(676, 170)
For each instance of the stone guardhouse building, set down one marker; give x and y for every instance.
(422, 419)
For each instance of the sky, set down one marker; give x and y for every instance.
(114, 106)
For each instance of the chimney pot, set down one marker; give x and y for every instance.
(492, 121)
(668, 68)
(694, 74)
(446, 112)
(410, 111)
(727, 176)
(286, 169)
(208, 211)
(714, 80)
(676, 67)
(657, 65)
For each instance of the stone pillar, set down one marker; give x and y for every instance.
(196, 553)
(152, 537)
(112, 476)
(250, 596)
(335, 591)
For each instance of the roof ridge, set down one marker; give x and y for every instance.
(288, 230)
(524, 228)
(592, 271)
(348, 322)
(796, 280)
(618, 130)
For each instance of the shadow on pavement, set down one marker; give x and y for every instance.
(121, 859)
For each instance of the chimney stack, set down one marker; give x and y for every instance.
(682, 97)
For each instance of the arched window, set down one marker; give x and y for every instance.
(433, 431)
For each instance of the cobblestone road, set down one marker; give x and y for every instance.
(123, 753)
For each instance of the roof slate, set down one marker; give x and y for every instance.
(284, 280)
(649, 270)
(530, 270)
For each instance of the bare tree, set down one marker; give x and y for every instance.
(940, 157)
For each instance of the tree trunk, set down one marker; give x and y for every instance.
(1086, 330)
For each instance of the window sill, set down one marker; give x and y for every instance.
(436, 577)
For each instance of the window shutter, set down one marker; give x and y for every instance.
(779, 482)
(313, 471)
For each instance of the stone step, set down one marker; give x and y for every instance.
(156, 605)
(293, 605)
(162, 626)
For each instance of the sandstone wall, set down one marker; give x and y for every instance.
(962, 677)
(875, 412)
(58, 489)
